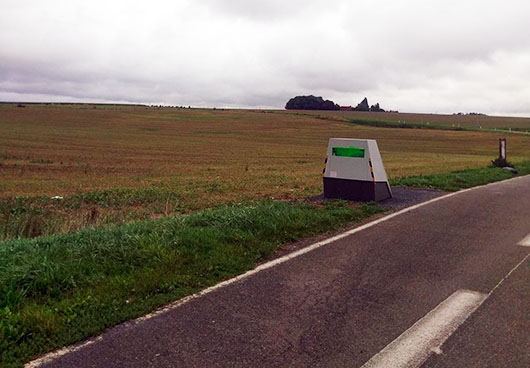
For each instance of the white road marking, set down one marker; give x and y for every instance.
(525, 242)
(56, 354)
(68, 349)
(426, 336)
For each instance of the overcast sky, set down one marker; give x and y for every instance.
(410, 55)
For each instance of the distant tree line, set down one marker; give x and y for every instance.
(470, 114)
(310, 103)
(318, 103)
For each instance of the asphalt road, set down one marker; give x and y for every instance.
(341, 304)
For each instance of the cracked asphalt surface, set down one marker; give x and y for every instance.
(340, 304)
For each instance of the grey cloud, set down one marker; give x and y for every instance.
(413, 55)
(271, 10)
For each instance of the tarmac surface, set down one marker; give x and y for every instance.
(401, 197)
(404, 197)
(342, 303)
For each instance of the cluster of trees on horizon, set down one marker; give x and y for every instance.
(310, 103)
(318, 103)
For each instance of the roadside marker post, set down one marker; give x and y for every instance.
(502, 149)
(354, 170)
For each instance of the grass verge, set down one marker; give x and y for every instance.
(58, 289)
(456, 180)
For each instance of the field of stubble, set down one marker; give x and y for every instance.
(116, 164)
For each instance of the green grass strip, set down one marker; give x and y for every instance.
(456, 180)
(56, 290)
(381, 123)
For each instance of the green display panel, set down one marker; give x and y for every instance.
(348, 151)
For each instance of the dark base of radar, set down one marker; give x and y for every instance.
(356, 190)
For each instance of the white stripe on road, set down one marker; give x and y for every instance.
(426, 336)
(525, 242)
(59, 353)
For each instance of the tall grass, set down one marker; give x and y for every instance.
(58, 289)
(29, 217)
